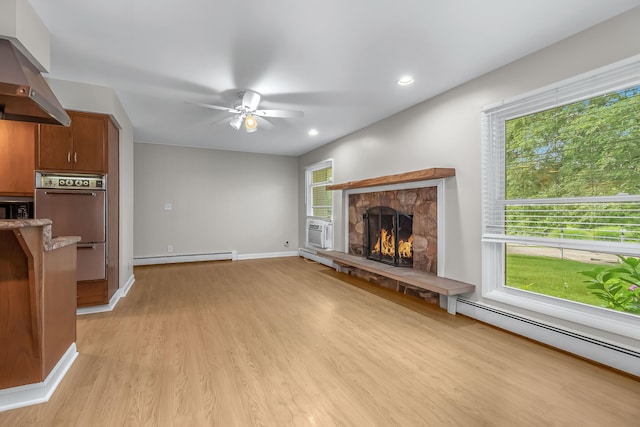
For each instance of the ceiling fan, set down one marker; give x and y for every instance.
(247, 112)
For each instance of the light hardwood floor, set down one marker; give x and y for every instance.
(281, 342)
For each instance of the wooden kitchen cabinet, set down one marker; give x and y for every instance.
(89, 146)
(81, 147)
(17, 158)
(55, 146)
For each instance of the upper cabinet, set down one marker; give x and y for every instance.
(17, 146)
(82, 147)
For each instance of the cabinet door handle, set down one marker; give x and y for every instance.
(75, 157)
(68, 156)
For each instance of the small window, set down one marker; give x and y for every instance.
(319, 199)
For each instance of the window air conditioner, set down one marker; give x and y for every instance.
(319, 234)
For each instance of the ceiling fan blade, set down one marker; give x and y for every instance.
(221, 119)
(216, 107)
(250, 100)
(264, 123)
(283, 114)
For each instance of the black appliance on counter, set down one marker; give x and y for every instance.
(16, 207)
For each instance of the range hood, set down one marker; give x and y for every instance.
(24, 93)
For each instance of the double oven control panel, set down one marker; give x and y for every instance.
(72, 182)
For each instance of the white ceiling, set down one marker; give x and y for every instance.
(336, 60)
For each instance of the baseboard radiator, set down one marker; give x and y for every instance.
(313, 255)
(212, 256)
(619, 357)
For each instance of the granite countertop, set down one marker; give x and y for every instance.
(60, 242)
(48, 243)
(10, 224)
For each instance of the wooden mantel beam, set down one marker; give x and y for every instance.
(421, 175)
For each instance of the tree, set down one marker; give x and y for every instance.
(584, 149)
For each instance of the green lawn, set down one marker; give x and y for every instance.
(550, 276)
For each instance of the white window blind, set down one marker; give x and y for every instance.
(560, 166)
(319, 199)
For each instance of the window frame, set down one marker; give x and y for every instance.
(616, 76)
(309, 186)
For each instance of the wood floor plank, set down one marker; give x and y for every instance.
(286, 342)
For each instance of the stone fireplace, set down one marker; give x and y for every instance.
(420, 205)
(389, 236)
(409, 207)
(406, 207)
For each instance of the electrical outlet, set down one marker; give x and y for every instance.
(170, 248)
(168, 206)
(286, 244)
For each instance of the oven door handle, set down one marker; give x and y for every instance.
(79, 192)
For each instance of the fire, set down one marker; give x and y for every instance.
(405, 249)
(386, 245)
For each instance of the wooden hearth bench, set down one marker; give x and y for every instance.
(448, 288)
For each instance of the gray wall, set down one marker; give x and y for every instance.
(221, 201)
(445, 132)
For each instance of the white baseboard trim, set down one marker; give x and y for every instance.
(120, 293)
(32, 394)
(101, 308)
(608, 353)
(127, 286)
(313, 255)
(219, 256)
(173, 259)
(267, 255)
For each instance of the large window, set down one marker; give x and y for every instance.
(319, 199)
(561, 194)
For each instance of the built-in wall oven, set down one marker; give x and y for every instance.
(76, 205)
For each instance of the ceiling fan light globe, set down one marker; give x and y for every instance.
(236, 122)
(250, 123)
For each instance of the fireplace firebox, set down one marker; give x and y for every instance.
(389, 236)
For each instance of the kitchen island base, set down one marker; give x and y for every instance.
(37, 308)
(33, 394)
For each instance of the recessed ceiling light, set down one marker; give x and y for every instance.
(313, 132)
(405, 80)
